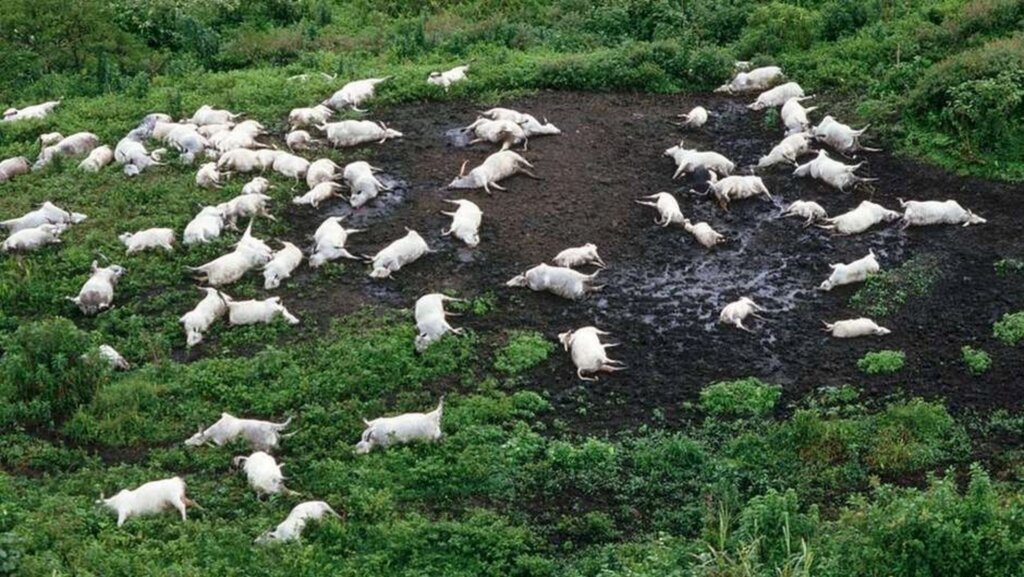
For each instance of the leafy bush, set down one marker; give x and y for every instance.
(977, 361)
(1010, 329)
(776, 27)
(882, 362)
(523, 351)
(1008, 266)
(908, 436)
(885, 292)
(50, 362)
(747, 397)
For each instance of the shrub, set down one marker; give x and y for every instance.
(1008, 266)
(882, 362)
(976, 360)
(911, 435)
(745, 398)
(49, 362)
(776, 27)
(1010, 329)
(885, 292)
(524, 350)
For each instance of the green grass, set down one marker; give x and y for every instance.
(745, 398)
(523, 351)
(885, 293)
(1010, 328)
(977, 361)
(882, 362)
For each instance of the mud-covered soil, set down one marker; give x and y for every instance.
(663, 292)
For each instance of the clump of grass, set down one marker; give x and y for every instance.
(1008, 266)
(886, 292)
(749, 397)
(882, 362)
(977, 361)
(523, 351)
(1010, 329)
(479, 306)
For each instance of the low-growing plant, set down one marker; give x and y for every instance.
(977, 361)
(1010, 329)
(524, 350)
(1008, 266)
(52, 362)
(886, 292)
(883, 362)
(747, 397)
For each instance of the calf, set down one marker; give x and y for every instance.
(560, 281)
(402, 429)
(855, 328)
(857, 271)
(403, 251)
(928, 212)
(588, 353)
(465, 222)
(199, 320)
(150, 238)
(260, 435)
(97, 293)
(149, 498)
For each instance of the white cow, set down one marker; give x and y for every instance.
(97, 159)
(756, 79)
(832, 172)
(354, 94)
(807, 209)
(30, 239)
(695, 118)
(689, 160)
(579, 256)
(786, 151)
(356, 132)
(431, 321)
(736, 311)
(777, 96)
(281, 266)
(703, 233)
(251, 312)
(329, 242)
(794, 115)
(205, 227)
(263, 473)
(291, 528)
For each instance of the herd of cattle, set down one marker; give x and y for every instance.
(231, 145)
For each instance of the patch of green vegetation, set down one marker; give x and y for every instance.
(747, 397)
(1010, 328)
(977, 361)
(884, 293)
(1008, 266)
(883, 362)
(523, 351)
(482, 305)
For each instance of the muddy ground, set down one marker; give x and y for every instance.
(663, 291)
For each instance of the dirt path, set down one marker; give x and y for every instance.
(663, 291)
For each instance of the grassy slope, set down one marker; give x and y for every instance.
(509, 491)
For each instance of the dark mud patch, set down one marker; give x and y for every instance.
(663, 291)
